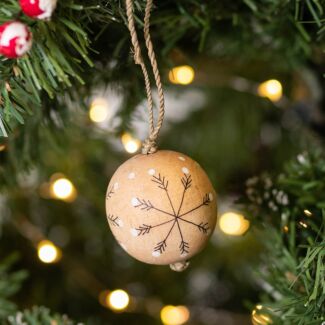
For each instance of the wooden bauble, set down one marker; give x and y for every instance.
(161, 207)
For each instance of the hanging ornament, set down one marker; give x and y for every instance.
(160, 205)
(15, 39)
(39, 9)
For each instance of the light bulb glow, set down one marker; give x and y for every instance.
(63, 189)
(98, 111)
(174, 315)
(48, 252)
(303, 224)
(2, 147)
(118, 300)
(131, 145)
(183, 75)
(271, 89)
(307, 213)
(234, 224)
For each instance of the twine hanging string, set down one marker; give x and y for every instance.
(149, 145)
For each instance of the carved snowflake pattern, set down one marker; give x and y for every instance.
(175, 217)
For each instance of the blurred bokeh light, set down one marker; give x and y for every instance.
(234, 224)
(48, 253)
(271, 89)
(99, 110)
(118, 300)
(174, 315)
(182, 75)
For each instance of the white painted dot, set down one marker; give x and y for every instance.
(184, 254)
(134, 232)
(185, 170)
(134, 201)
(181, 158)
(131, 176)
(151, 171)
(210, 196)
(120, 223)
(155, 254)
(115, 186)
(124, 247)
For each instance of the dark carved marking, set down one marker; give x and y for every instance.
(110, 193)
(184, 247)
(113, 220)
(177, 218)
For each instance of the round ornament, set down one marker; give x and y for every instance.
(161, 208)
(15, 39)
(39, 9)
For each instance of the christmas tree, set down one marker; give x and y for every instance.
(243, 87)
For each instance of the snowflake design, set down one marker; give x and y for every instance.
(114, 220)
(110, 192)
(176, 216)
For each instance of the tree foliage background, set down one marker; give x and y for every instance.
(219, 120)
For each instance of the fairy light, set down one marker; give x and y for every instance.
(131, 145)
(286, 229)
(98, 111)
(258, 318)
(182, 75)
(174, 315)
(234, 224)
(271, 89)
(63, 189)
(117, 300)
(2, 147)
(303, 224)
(47, 252)
(307, 213)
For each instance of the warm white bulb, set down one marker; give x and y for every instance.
(233, 224)
(63, 189)
(182, 75)
(48, 252)
(174, 315)
(271, 89)
(118, 299)
(98, 110)
(307, 213)
(131, 145)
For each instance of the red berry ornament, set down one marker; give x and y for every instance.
(15, 39)
(39, 9)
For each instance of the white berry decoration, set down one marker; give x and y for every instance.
(168, 211)
(39, 9)
(15, 39)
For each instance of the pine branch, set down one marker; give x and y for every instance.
(38, 315)
(294, 262)
(10, 284)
